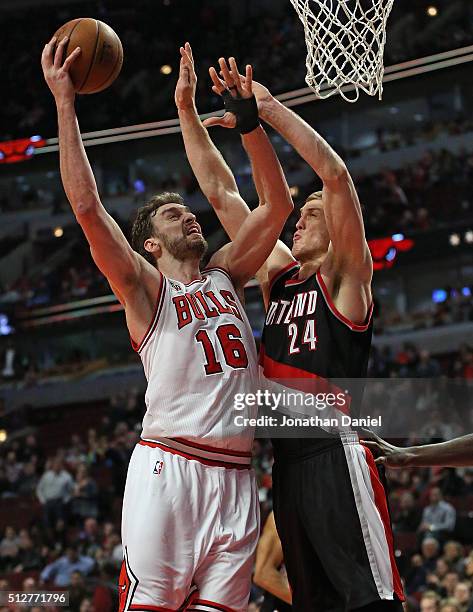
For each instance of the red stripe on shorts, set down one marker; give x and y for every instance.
(382, 506)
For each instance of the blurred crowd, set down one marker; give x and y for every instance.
(419, 196)
(269, 35)
(64, 531)
(457, 307)
(68, 536)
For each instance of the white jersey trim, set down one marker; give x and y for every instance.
(192, 450)
(154, 321)
(218, 269)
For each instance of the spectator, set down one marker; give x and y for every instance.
(427, 367)
(84, 497)
(54, 491)
(453, 555)
(408, 516)
(449, 605)
(86, 606)
(450, 582)
(60, 571)
(438, 518)
(416, 574)
(13, 470)
(28, 557)
(89, 537)
(462, 594)
(77, 590)
(29, 480)
(8, 547)
(430, 602)
(430, 551)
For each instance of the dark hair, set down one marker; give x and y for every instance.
(142, 228)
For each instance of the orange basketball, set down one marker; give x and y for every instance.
(101, 58)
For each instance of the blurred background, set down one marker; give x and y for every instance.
(71, 387)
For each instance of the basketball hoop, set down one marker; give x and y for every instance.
(345, 44)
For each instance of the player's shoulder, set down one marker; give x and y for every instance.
(217, 265)
(279, 261)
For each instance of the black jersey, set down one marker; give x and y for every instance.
(305, 336)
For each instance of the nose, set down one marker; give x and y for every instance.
(300, 224)
(189, 218)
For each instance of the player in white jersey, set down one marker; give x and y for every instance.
(190, 510)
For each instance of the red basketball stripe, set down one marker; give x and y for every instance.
(382, 506)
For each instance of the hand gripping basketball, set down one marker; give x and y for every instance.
(238, 98)
(56, 71)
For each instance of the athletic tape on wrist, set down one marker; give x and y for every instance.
(245, 111)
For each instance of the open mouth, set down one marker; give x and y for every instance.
(193, 229)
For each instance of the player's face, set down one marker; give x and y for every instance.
(311, 238)
(178, 232)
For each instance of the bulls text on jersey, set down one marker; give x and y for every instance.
(204, 305)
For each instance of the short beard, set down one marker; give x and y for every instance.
(182, 249)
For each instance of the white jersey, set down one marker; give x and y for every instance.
(198, 354)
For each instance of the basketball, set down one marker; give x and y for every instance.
(101, 56)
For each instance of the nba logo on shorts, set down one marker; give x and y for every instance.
(158, 467)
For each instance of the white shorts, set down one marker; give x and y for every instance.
(189, 533)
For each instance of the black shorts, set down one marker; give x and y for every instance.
(332, 517)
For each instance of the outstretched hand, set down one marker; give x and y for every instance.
(237, 85)
(184, 95)
(56, 69)
(385, 453)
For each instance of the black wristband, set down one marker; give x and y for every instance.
(245, 111)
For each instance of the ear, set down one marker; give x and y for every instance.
(152, 246)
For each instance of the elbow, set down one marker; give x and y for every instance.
(259, 577)
(337, 173)
(85, 207)
(287, 206)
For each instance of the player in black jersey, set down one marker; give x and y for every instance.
(329, 504)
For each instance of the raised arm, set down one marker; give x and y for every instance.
(341, 205)
(233, 216)
(269, 558)
(131, 277)
(257, 236)
(349, 250)
(210, 169)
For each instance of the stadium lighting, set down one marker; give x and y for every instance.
(432, 11)
(294, 191)
(439, 296)
(3, 436)
(469, 236)
(165, 69)
(454, 239)
(58, 232)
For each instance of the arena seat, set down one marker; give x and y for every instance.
(405, 541)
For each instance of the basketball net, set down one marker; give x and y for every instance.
(345, 44)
